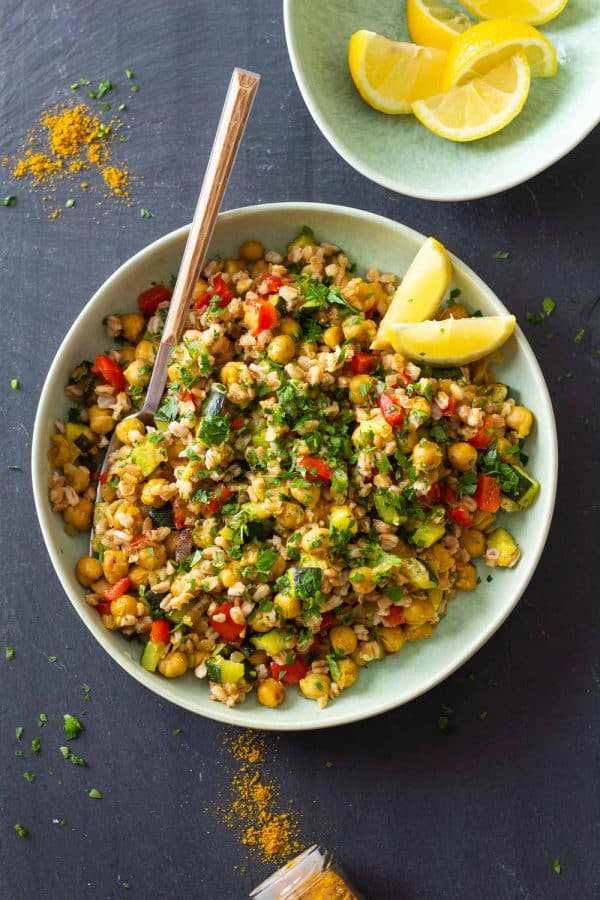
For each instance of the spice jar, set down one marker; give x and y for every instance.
(313, 875)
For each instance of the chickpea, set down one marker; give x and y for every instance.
(101, 420)
(281, 349)
(138, 576)
(228, 577)
(114, 565)
(348, 673)
(361, 331)
(150, 495)
(79, 518)
(173, 665)
(342, 519)
(506, 450)
(393, 639)
(287, 607)
(362, 580)
(419, 612)
(373, 432)
(251, 251)
(315, 540)
(270, 692)
(235, 373)
(137, 373)
(315, 687)
(291, 516)
(174, 449)
(467, 579)
(265, 620)
(361, 389)
(407, 442)
(88, 570)
(520, 419)
(278, 567)
(343, 639)
(204, 533)
(152, 557)
(419, 412)
(62, 452)
(109, 622)
(291, 328)
(308, 348)
(100, 587)
(427, 455)
(78, 477)
(453, 312)
(133, 326)
(258, 269)
(307, 494)
(146, 351)
(233, 266)
(127, 426)
(126, 355)
(127, 515)
(474, 542)
(418, 632)
(333, 336)
(368, 651)
(125, 605)
(462, 456)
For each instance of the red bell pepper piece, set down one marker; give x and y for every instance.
(289, 673)
(457, 512)
(219, 288)
(228, 630)
(273, 283)
(392, 412)
(104, 476)
(487, 494)
(433, 495)
(221, 496)
(160, 631)
(149, 300)
(362, 363)
(328, 620)
(110, 372)
(451, 408)
(179, 514)
(117, 589)
(262, 315)
(482, 439)
(238, 423)
(395, 616)
(315, 469)
(103, 607)
(405, 379)
(138, 542)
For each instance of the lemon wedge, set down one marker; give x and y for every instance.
(481, 107)
(484, 46)
(434, 24)
(536, 12)
(390, 75)
(420, 292)
(452, 342)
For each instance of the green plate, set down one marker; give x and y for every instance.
(397, 151)
(472, 617)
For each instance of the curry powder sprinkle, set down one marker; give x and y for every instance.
(253, 810)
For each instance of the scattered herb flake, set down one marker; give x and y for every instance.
(444, 725)
(328, 765)
(176, 732)
(52, 659)
(72, 726)
(67, 754)
(19, 731)
(86, 692)
(556, 866)
(548, 306)
(21, 830)
(579, 336)
(145, 213)
(129, 73)
(95, 794)
(484, 714)
(29, 776)
(135, 88)
(15, 384)
(501, 254)
(19, 754)
(10, 200)
(70, 203)
(36, 745)
(9, 654)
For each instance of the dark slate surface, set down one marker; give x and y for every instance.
(411, 812)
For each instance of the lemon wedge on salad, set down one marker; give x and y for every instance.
(452, 342)
(434, 24)
(536, 12)
(485, 46)
(482, 107)
(421, 291)
(390, 75)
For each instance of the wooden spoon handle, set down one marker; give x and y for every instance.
(238, 103)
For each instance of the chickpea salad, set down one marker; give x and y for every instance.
(302, 505)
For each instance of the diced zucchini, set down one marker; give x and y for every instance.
(528, 487)
(304, 239)
(162, 516)
(426, 535)
(418, 573)
(151, 655)
(506, 547)
(387, 509)
(272, 642)
(304, 581)
(224, 671)
(214, 403)
(148, 456)
(80, 435)
(310, 561)
(508, 505)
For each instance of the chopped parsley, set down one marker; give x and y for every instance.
(29, 776)
(72, 726)
(145, 213)
(71, 757)
(15, 384)
(214, 430)
(556, 865)
(10, 200)
(95, 794)
(9, 654)
(21, 830)
(444, 725)
(36, 745)
(19, 731)
(86, 692)
(70, 203)
(266, 560)
(52, 659)
(42, 720)
(548, 306)
(501, 254)
(466, 484)
(579, 336)
(484, 714)
(176, 732)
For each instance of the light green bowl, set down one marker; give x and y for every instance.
(397, 151)
(472, 618)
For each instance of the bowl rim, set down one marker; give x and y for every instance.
(397, 185)
(47, 520)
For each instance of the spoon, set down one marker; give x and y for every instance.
(236, 110)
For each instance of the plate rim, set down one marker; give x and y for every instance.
(47, 522)
(396, 185)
